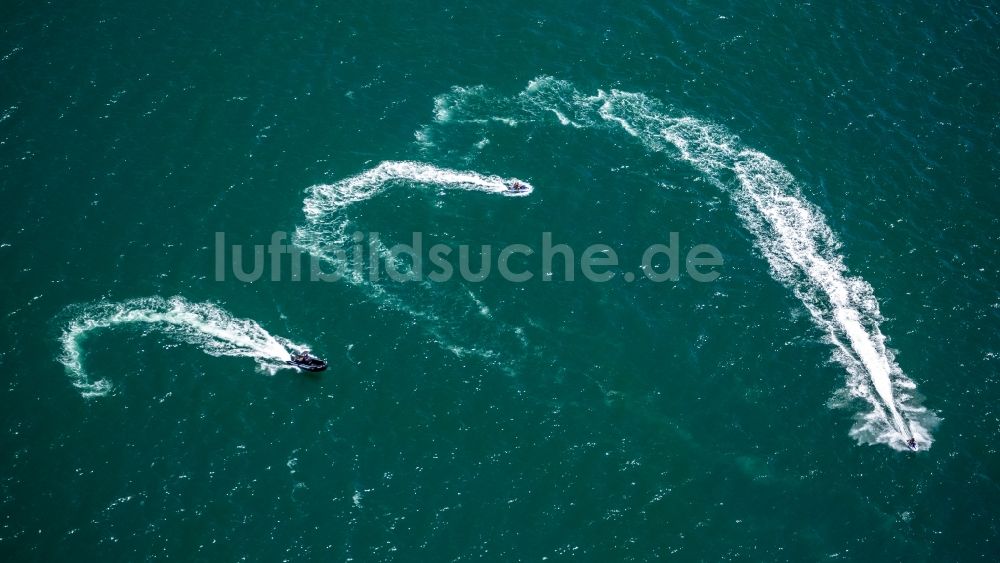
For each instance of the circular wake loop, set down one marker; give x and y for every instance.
(327, 233)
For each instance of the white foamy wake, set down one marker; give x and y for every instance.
(327, 230)
(329, 198)
(204, 325)
(791, 233)
(325, 224)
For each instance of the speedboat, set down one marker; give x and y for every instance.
(307, 362)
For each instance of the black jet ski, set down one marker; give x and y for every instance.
(912, 444)
(306, 361)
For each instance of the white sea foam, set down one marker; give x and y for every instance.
(204, 325)
(325, 199)
(327, 227)
(792, 234)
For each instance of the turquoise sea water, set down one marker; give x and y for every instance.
(842, 160)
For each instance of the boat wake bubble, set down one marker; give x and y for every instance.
(327, 233)
(792, 234)
(204, 325)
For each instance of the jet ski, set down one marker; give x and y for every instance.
(517, 188)
(306, 361)
(912, 444)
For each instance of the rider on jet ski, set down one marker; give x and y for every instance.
(304, 360)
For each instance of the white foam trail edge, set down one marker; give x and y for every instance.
(792, 233)
(204, 325)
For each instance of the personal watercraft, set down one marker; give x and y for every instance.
(517, 187)
(306, 361)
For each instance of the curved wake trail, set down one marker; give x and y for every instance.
(331, 197)
(328, 229)
(792, 234)
(324, 202)
(204, 325)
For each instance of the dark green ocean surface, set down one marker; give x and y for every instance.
(494, 420)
